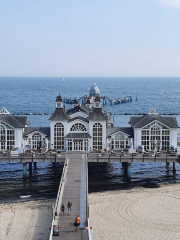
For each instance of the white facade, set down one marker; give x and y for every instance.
(18, 137)
(86, 128)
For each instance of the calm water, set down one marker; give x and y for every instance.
(38, 95)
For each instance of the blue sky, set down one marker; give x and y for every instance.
(90, 38)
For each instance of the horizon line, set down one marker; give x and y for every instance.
(89, 77)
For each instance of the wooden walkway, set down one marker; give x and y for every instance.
(74, 190)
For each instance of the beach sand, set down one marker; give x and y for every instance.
(26, 220)
(137, 214)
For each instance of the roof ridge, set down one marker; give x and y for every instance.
(142, 118)
(18, 117)
(97, 110)
(14, 117)
(55, 114)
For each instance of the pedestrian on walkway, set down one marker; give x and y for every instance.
(77, 223)
(63, 207)
(69, 205)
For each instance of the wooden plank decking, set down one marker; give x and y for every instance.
(73, 192)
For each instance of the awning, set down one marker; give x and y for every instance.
(78, 135)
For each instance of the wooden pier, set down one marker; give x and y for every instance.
(127, 159)
(74, 189)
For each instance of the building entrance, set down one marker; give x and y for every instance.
(78, 145)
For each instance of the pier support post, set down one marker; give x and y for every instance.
(167, 164)
(35, 164)
(24, 171)
(128, 171)
(30, 167)
(174, 167)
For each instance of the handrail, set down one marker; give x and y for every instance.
(87, 202)
(57, 199)
(60, 185)
(87, 199)
(134, 156)
(89, 230)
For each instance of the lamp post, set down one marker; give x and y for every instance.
(155, 145)
(107, 144)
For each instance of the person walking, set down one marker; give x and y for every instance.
(77, 223)
(69, 205)
(63, 207)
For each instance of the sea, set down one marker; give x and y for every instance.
(35, 97)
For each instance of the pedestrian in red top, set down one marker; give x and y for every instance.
(77, 223)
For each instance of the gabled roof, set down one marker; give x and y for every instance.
(76, 109)
(44, 130)
(4, 111)
(59, 114)
(87, 109)
(97, 115)
(140, 122)
(78, 118)
(127, 130)
(23, 120)
(14, 121)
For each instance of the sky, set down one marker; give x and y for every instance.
(90, 38)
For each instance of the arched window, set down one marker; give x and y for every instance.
(59, 136)
(119, 136)
(155, 132)
(78, 127)
(36, 141)
(158, 132)
(97, 136)
(119, 141)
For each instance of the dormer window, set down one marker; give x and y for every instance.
(58, 105)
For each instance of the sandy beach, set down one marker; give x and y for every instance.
(137, 214)
(25, 220)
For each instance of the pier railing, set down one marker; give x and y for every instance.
(60, 186)
(134, 157)
(59, 195)
(87, 203)
(89, 230)
(25, 158)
